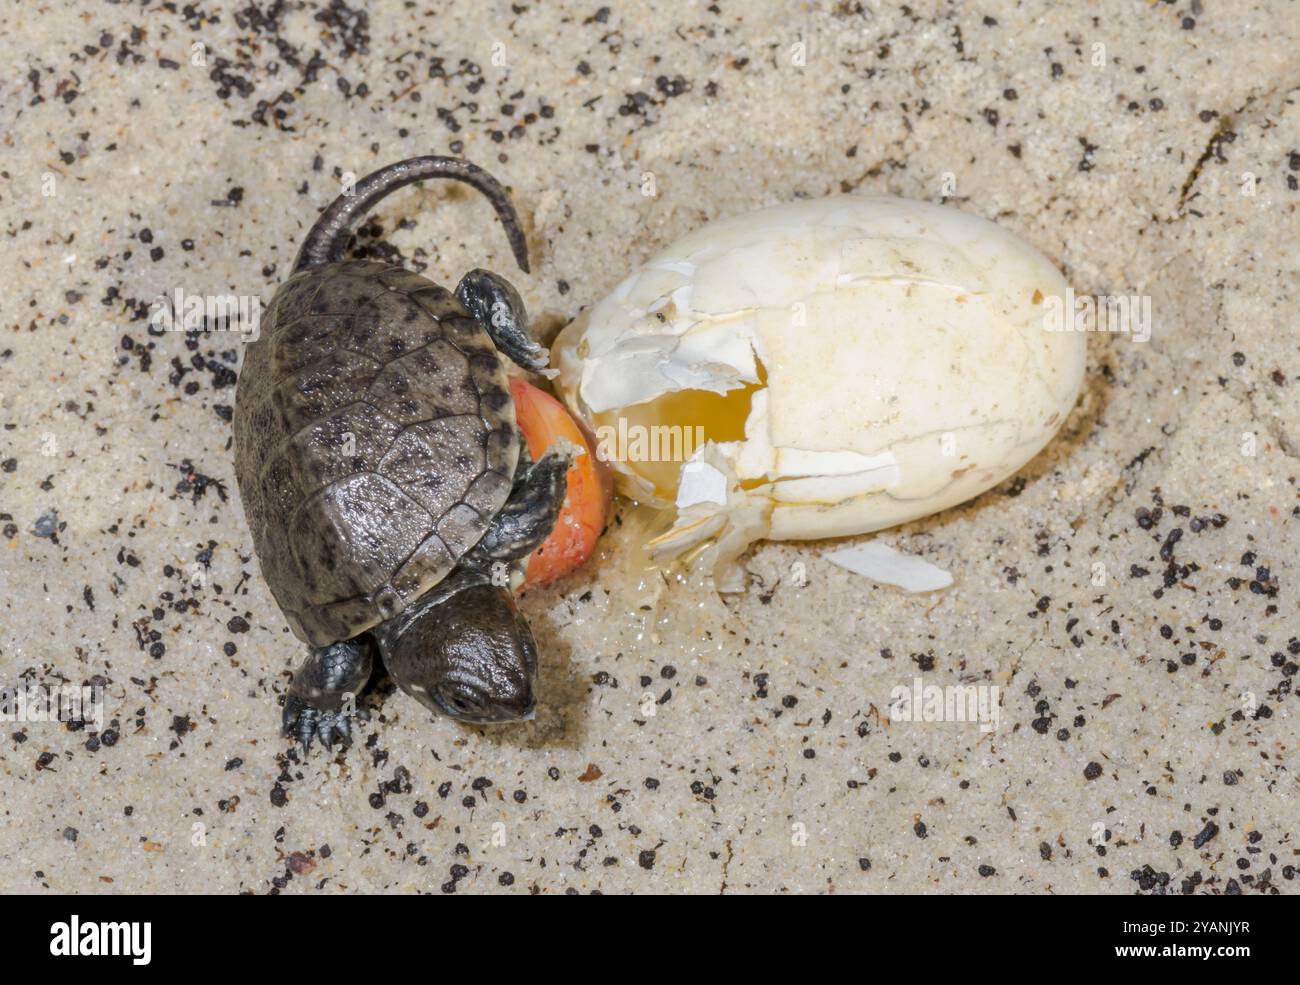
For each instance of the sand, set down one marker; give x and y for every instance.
(1131, 594)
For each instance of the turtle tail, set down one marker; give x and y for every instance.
(328, 239)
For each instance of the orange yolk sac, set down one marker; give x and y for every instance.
(543, 420)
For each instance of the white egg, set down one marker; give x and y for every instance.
(822, 369)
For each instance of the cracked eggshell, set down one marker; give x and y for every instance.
(899, 347)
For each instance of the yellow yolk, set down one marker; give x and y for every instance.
(654, 438)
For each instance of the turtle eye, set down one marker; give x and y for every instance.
(460, 702)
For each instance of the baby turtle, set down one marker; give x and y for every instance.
(389, 493)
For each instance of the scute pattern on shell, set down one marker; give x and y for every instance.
(375, 439)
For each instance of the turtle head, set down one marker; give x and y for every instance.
(468, 655)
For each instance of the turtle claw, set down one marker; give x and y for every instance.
(319, 701)
(305, 723)
(496, 305)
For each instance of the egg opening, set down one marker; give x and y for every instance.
(653, 440)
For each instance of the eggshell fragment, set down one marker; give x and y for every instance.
(880, 562)
(897, 353)
(701, 483)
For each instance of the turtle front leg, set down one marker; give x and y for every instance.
(322, 695)
(497, 306)
(529, 515)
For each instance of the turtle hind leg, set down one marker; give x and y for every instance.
(322, 697)
(529, 515)
(497, 306)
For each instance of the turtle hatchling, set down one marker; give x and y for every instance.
(390, 496)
